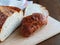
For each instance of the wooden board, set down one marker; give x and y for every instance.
(51, 29)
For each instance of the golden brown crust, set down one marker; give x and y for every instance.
(31, 23)
(9, 10)
(6, 10)
(3, 17)
(14, 8)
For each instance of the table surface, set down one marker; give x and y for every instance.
(54, 9)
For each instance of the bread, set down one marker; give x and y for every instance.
(36, 8)
(31, 23)
(10, 18)
(35, 17)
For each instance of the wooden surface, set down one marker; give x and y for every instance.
(54, 9)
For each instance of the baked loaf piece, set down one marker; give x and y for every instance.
(36, 8)
(31, 23)
(35, 17)
(10, 18)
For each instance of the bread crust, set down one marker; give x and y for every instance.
(31, 23)
(14, 8)
(5, 12)
(2, 19)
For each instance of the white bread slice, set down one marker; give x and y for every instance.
(13, 18)
(36, 8)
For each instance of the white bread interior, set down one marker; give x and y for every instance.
(11, 23)
(36, 8)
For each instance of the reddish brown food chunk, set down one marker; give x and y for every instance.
(31, 23)
(2, 19)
